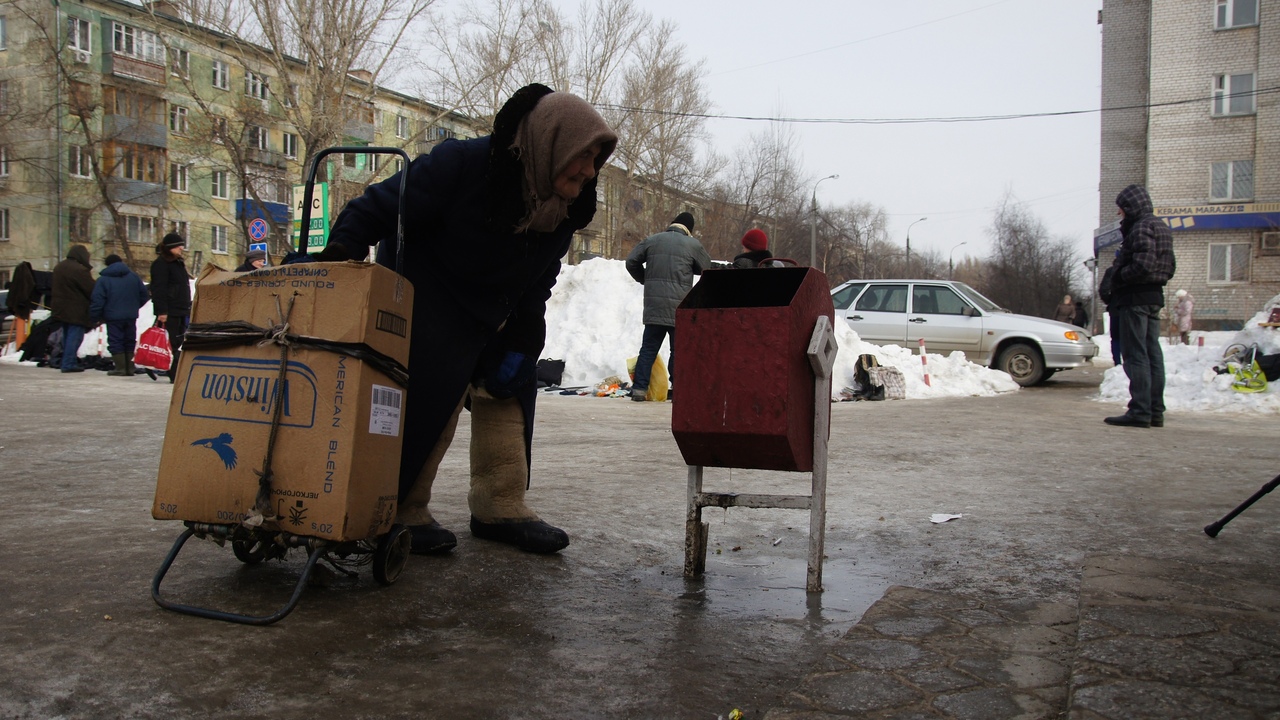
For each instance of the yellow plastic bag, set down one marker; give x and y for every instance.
(657, 379)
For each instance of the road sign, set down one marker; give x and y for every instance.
(318, 233)
(258, 229)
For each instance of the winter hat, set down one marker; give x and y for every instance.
(685, 219)
(755, 240)
(1180, 293)
(255, 255)
(173, 240)
(111, 259)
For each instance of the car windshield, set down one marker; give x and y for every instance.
(976, 298)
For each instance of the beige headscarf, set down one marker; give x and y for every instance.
(556, 131)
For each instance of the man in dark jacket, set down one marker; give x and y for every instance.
(1104, 293)
(72, 287)
(1145, 265)
(171, 293)
(117, 297)
(665, 264)
(486, 223)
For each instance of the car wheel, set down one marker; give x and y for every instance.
(1023, 363)
(1048, 373)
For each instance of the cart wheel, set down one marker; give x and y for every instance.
(249, 552)
(392, 554)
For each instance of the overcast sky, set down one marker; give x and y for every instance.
(916, 59)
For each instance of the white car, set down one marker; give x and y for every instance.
(952, 316)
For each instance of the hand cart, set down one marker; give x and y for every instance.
(387, 554)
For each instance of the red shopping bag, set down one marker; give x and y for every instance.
(154, 351)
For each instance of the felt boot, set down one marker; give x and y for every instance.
(429, 537)
(119, 361)
(499, 476)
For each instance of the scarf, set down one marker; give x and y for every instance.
(559, 128)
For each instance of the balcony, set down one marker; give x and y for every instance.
(134, 69)
(137, 192)
(124, 129)
(267, 158)
(359, 131)
(247, 209)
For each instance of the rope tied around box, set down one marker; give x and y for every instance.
(239, 332)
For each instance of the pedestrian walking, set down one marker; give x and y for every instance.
(665, 264)
(1081, 316)
(1066, 310)
(171, 293)
(72, 288)
(1182, 311)
(117, 297)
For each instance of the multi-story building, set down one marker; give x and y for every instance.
(1191, 111)
(120, 122)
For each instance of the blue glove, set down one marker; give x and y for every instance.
(516, 372)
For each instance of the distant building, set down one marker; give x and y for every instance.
(1200, 128)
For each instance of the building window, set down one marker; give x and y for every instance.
(1229, 263)
(78, 225)
(178, 119)
(4, 97)
(290, 98)
(137, 43)
(1231, 181)
(221, 75)
(79, 37)
(219, 185)
(290, 145)
(78, 161)
(178, 176)
(1233, 94)
(139, 229)
(4, 32)
(402, 126)
(135, 162)
(1236, 13)
(4, 161)
(444, 133)
(181, 65)
(372, 163)
(218, 240)
(180, 227)
(218, 127)
(4, 225)
(255, 85)
(257, 137)
(136, 105)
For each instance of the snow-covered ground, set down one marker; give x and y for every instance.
(594, 325)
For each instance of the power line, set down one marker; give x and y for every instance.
(926, 120)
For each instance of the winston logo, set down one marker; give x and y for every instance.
(222, 446)
(247, 390)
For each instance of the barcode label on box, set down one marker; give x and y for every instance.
(384, 411)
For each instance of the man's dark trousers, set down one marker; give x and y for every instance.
(1143, 359)
(649, 346)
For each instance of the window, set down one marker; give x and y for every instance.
(78, 161)
(255, 85)
(290, 98)
(4, 97)
(178, 177)
(139, 229)
(1232, 181)
(1233, 94)
(936, 300)
(136, 105)
(257, 137)
(79, 37)
(135, 162)
(372, 163)
(1236, 13)
(78, 225)
(219, 185)
(180, 227)
(181, 64)
(402, 126)
(218, 126)
(4, 225)
(178, 119)
(4, 161)
(843, 298)
(218, 240)
(137, 43)
(884, 298)
(221, 75)
(4, 32)
(443, 133)
(1229, 263)
(290, 145)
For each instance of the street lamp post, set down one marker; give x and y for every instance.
(909, 244)
(813, 222)
(951, 266)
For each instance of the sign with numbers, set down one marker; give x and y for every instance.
(318, 233)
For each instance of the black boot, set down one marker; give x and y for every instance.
(533, 536)
(431, 539)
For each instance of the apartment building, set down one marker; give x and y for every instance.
(1191, 98)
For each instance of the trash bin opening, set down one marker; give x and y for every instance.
(761, 287)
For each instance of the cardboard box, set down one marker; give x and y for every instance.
(337, 450)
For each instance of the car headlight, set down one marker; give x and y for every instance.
(1072, 335)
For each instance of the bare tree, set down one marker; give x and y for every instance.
(1027, 271)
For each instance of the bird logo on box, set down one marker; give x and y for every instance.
(222, 446)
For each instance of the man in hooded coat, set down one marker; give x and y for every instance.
(72, 288)
(486, 223)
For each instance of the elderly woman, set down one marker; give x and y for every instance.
(486, 223)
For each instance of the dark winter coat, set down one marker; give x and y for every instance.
(21, 299)
(118, 294)
(1104, 285)
(666, 263)
(1146, 259)
(751, 258)
(72, 287)
(170, 287)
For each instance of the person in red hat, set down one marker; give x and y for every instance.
(757, 246)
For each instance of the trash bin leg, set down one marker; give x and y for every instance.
(695, 531)
(822, 357)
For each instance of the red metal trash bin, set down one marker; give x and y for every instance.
(746, 395)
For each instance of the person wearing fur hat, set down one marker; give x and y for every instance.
(487, 221)
(757, 252)
(117, 297)
(253, 260)
(72, 288)
(171, 293)
(665, 264)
